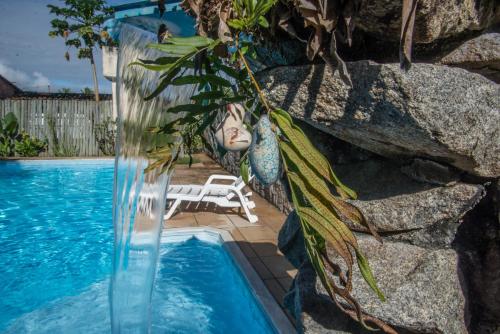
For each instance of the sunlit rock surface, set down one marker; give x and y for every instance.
(444, 114)
(480, 55)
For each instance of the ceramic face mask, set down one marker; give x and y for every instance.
(231, 133)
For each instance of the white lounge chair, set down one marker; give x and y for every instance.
(224, 195)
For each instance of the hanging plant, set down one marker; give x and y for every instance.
(216, 62)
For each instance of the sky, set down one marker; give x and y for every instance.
(31, 59)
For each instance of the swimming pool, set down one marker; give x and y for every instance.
(56, 239)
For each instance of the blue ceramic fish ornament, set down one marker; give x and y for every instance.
(264, 152)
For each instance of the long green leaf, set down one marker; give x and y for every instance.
(172, 49)
(188, 80)
(163, 84)
(314, 198)
(309, 152)
(321, 225)
(235, 99)
(194, 108)
(316, 181)
(245, 170)
(160, 60)
(194, 41)
(210, 95)
(364, 268)
(230, 72)
(216, 80)
(152, 67)
(206, 123)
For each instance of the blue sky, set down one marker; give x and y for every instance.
(33, 60)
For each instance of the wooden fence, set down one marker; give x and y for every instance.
(73, 120)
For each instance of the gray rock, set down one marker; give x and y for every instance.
(427, 218)
(316, 313)
(422, 287)
(480, 55)
(435, 19)
(444, 114)
(398, 206)
(404, 209)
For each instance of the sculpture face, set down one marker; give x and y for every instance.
(264, 152)
(231, 133)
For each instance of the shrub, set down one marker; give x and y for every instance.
(28, 146)
(105, 135)
(9, 133)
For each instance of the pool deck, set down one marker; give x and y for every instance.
(258, 241)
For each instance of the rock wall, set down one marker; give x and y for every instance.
(437, 269)
(422, 150)
(426, 112)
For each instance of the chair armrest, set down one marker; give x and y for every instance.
(220, 177)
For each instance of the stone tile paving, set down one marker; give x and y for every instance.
(257, 241)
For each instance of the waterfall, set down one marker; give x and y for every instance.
(139, 197)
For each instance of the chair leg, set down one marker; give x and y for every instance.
(244, 205)
(172, 209)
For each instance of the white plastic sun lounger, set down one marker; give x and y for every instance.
(223, 195)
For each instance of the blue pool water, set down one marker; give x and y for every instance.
(56, 243)
(56, 231)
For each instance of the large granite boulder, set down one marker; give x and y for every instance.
(444, 114)
(422, 287)
(480, 55)
(428, 218)
(435, 19)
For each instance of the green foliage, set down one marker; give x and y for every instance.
(12, 141)
(27, 146)
(87, 91)
(245, 169)
(309, 173)
(9, 134)
(60, 147)
(317, 193)
(65, 91)
(105, 136)
(250, 13)
(80, 23)
(211, 77)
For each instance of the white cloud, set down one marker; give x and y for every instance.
(35, 81)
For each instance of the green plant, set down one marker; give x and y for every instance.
(60, 147)
(64, 90)
(323, 215)
(317, 23)
(217, 63)
(27, 146)
(80, 23)
(9, 134)
(105, 135)
(87, 91)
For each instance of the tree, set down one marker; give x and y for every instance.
(80, 23)
(87, 91)
(65, 90)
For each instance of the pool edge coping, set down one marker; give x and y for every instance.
(273, 310)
